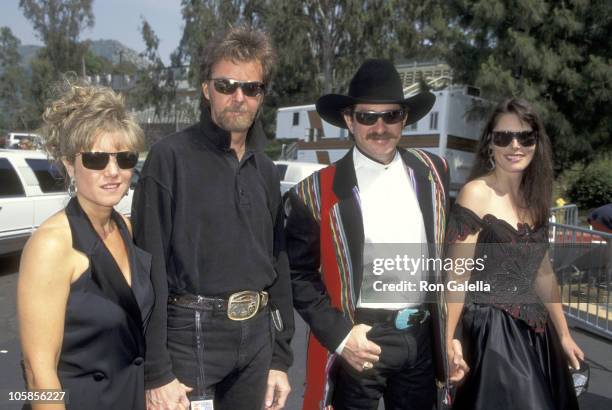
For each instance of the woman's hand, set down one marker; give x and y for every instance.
(572, 351)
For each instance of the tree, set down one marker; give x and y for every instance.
(203, 18)
(320, 43)
(157, 85)
(15, 108)
(96, 64)
(58, 24)
(150, 90)
(344, 33)
(296, 80)
(325, 40)
(333, 37)
(554, 54)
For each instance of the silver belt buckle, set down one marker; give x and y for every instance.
(243, 305)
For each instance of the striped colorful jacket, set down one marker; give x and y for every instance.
(325, 239)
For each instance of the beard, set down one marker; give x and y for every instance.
(236, 119)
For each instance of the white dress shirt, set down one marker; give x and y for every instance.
(391, 214)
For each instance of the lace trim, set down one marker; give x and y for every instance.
(535, 315)
(462, 222)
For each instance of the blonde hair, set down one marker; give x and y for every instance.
(80, 111)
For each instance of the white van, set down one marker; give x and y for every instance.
(31, 190)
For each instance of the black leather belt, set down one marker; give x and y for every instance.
(239, 306)
(402, 319)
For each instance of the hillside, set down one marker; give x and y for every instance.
(111, 50)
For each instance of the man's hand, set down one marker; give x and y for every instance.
(277, 391)
(358, 351)
(458, 368)
(172, 396)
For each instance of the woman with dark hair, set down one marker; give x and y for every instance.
(515, 338)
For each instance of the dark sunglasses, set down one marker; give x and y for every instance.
(389, 117)
(99, 160)
(504, 138)
(229, 87)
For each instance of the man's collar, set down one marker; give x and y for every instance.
(220, 138)
(363, 160)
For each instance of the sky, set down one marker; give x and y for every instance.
(113, 19)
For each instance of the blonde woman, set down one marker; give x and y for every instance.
(84, 291)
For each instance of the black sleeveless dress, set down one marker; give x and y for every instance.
(513, 351)
(102, 358)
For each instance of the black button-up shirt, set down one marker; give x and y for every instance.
(214, 226)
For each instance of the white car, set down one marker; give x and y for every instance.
(31, 190)
(14, 138)
(292, 172)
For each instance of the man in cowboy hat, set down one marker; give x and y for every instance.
(364, 345)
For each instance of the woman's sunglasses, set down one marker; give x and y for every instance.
(229, 87)
(389, 117)
(504, 138)
(99, 160)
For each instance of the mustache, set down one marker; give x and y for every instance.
(380, 136)
(238, 108)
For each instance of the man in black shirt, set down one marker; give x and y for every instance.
(208, 208)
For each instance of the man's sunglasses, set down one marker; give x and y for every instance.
(229, 87)
(504, 138)
(99, 160)
(389, 117)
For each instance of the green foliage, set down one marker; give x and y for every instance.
(9, 45)
(273, 149)
(96, 65)
(566, 180)
(124, 67)
(555, 54)
(156, 86)
(203, 18)
(593, 187)
(59, 23)
(15, 109)
(319, 43)
(43, 75)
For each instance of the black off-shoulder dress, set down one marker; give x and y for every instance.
(513, 351)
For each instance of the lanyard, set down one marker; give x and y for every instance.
(202, 400)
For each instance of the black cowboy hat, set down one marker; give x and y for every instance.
(376, 82)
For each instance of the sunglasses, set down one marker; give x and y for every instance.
(99, 160)
(504, 138)
(229, 87)
(389, 117)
